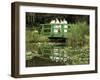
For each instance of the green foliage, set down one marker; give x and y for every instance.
(29, 35)
(45, 49)
(78, 35)
(35, 42)
(77, 55)
(43, 39)
(29, 55)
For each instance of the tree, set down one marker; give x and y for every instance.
(77, 34)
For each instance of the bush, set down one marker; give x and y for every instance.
(78, 35)
(77, 55)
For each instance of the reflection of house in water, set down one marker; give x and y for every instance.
(56, 31)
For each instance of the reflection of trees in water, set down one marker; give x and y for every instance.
(61, 56)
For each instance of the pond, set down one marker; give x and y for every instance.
(60, 55)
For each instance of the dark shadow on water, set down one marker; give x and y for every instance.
(38, 61)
